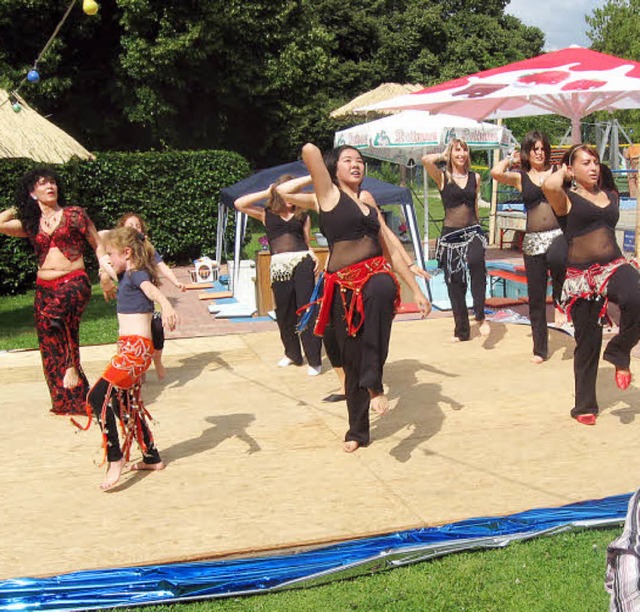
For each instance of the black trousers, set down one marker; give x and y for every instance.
(457, 287)
(363, 356)
(96, 399)
(538, 268)
(290, 295)
(624, 290)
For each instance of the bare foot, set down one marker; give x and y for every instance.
(379, 404)
(455, 339)
(141, 465)
(484, 328)
(114, 471)
(71, 378)
(537, 359)
(350, 446)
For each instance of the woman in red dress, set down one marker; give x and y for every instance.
(59, 234)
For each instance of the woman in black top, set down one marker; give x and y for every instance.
(293, 266)
(544, 247)
(461, 248)
(596, 273)
(360, 291)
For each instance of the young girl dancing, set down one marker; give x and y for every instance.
(157, 332)
(117, 393)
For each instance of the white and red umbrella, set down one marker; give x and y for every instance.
(572, 82)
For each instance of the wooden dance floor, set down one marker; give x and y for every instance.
(255, 461)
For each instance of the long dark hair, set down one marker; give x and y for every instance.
(130, 215)
(528, 143)
(331, 158)
(29, 212)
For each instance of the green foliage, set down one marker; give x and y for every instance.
(177, 193)
(615, 29)
(255, 76)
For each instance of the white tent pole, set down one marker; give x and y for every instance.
(222, 210)
(409, 212)
(241, 224)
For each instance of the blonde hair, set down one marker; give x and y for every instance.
(142, 252)
(276, 203)
(452, 143)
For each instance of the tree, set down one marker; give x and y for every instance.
(256, 76)
(615, 29)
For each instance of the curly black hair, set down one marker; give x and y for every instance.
(29, 212)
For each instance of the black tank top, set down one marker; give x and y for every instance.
(453, 195)
(460, 203)
(352, 236)
(285, 236)
(540, 215)
(590, 230)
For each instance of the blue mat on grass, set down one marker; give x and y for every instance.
(180, 582)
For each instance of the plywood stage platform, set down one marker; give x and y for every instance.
(255, 460)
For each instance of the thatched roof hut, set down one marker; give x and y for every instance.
(385, 91)
(28, 134)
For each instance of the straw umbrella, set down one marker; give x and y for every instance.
(27, 134)
(385, 91)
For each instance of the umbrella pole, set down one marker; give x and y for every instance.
(575, 130)
(633, 166)
(425, 181)
(493, 217)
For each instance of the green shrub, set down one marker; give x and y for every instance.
(177, 193)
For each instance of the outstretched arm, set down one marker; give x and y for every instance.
(553, 189)
(169, 315)
(10, 225)
(106, 272)
(167, 272)
(248, 204)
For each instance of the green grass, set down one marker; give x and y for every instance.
(17, 328)
(563, 573)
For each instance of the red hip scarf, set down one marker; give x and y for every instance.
(131, 361)
(351, 278)
(591, 284)
(124, 373)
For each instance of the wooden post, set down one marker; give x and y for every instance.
(634, 158)
(494, 197)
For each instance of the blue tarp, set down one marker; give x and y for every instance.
(204, 580)
(384, 193)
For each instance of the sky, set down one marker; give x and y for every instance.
(562, 21)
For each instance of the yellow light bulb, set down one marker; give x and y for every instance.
(90, 7)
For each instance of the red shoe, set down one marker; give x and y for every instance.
(586, 419)
(623, 379)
